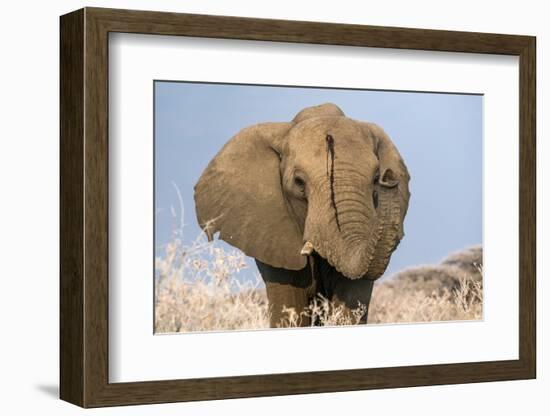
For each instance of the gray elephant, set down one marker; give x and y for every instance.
(319, 202)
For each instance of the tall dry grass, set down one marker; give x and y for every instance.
(402, 300)
(201, 287)
(449, 291)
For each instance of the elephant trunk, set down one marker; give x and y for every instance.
(359, 241)
(389, 216)
(349, 244)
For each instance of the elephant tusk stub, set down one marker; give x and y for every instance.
(307, 249)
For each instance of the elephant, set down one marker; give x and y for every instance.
(319, 202)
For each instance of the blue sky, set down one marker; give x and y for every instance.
(438, 135)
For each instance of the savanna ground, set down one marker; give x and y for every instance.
(198, 288)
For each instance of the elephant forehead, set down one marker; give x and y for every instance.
(310, 136)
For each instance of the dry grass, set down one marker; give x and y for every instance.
(403, 300)
(200, 288)
(449, 291)
(197, 288)
(325, 313)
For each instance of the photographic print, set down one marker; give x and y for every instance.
(362, 185)
(291, 206)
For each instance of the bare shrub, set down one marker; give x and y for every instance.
(198, 289)
(470, 260)
(444, 292)
(458, 266)
(323, 312)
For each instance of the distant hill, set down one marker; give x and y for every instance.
(447, 275)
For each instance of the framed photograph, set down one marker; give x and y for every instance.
(254, 207)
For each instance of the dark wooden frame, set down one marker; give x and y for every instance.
(84, 207)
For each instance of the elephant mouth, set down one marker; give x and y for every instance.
(356, 265)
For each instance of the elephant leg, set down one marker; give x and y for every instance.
(287, 289)
(286, 304)
(346, 313)
(347, 294)
(352, 294)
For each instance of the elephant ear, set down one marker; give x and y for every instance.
(240, 195)
(393, 171)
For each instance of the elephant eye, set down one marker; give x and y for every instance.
(375, 199)
(299, 182)
(376, 177)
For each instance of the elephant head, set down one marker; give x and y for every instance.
(322, 182)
